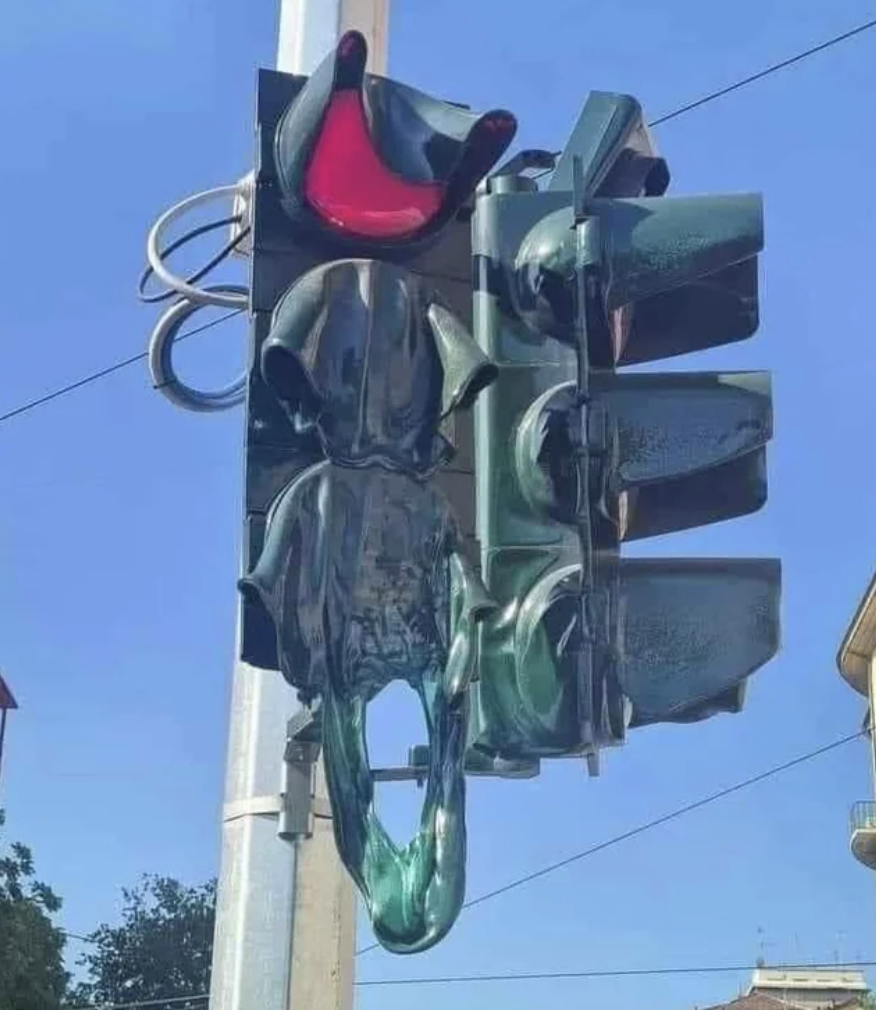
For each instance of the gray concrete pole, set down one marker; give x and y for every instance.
(285, 916)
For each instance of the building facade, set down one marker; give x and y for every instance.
(857, 664)
(812, 988)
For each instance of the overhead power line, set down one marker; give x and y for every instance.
(544, 976)
(650, 825)
(104, 372)
(631, 833)
(759, 76)
(529, 976)
(142, 1004)
(713, 96)
(78, 936)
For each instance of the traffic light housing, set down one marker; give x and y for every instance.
(408, 135)
(597, 271)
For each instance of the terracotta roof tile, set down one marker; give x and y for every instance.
(762, 1001)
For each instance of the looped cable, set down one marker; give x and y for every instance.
(224, 296)
(164, 377)
(200, 274)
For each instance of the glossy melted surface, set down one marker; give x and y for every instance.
(348, 185)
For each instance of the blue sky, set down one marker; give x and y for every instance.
(119, 516)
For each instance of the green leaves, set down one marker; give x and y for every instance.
(161, 950)
(32, 975)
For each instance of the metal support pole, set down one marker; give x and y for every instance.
(310, 28)
(285, 916)
(2, 735)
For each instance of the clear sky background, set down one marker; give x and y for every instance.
(120, 516)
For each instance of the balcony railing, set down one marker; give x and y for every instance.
(863, 826)
(864, 815)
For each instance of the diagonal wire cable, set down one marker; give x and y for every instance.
(640, 828)
(127, 362)
(759, 76)
(104, 372)
(142, 1004)
(525, 976)
(538, 976)
(650, 825)
(682, 110)
(711, 97)
(647, 825)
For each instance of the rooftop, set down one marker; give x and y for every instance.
(763, 1001)
(859, 644)
(783, 979)
(753, 1001)
(803, 982)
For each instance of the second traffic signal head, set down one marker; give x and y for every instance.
(597, 271)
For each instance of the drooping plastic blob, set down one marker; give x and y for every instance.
(364, 572)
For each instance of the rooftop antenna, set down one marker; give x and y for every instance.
(762, 946)
(840, 937)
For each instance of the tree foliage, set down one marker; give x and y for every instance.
(32, 975)
(161, 950)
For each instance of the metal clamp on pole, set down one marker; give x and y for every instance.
(254, 806)
(296, 805)
(299, 805)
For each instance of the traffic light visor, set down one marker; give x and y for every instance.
(372, 160)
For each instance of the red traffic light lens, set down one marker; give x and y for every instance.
(348, 185)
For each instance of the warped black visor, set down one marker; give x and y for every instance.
(370, 159)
